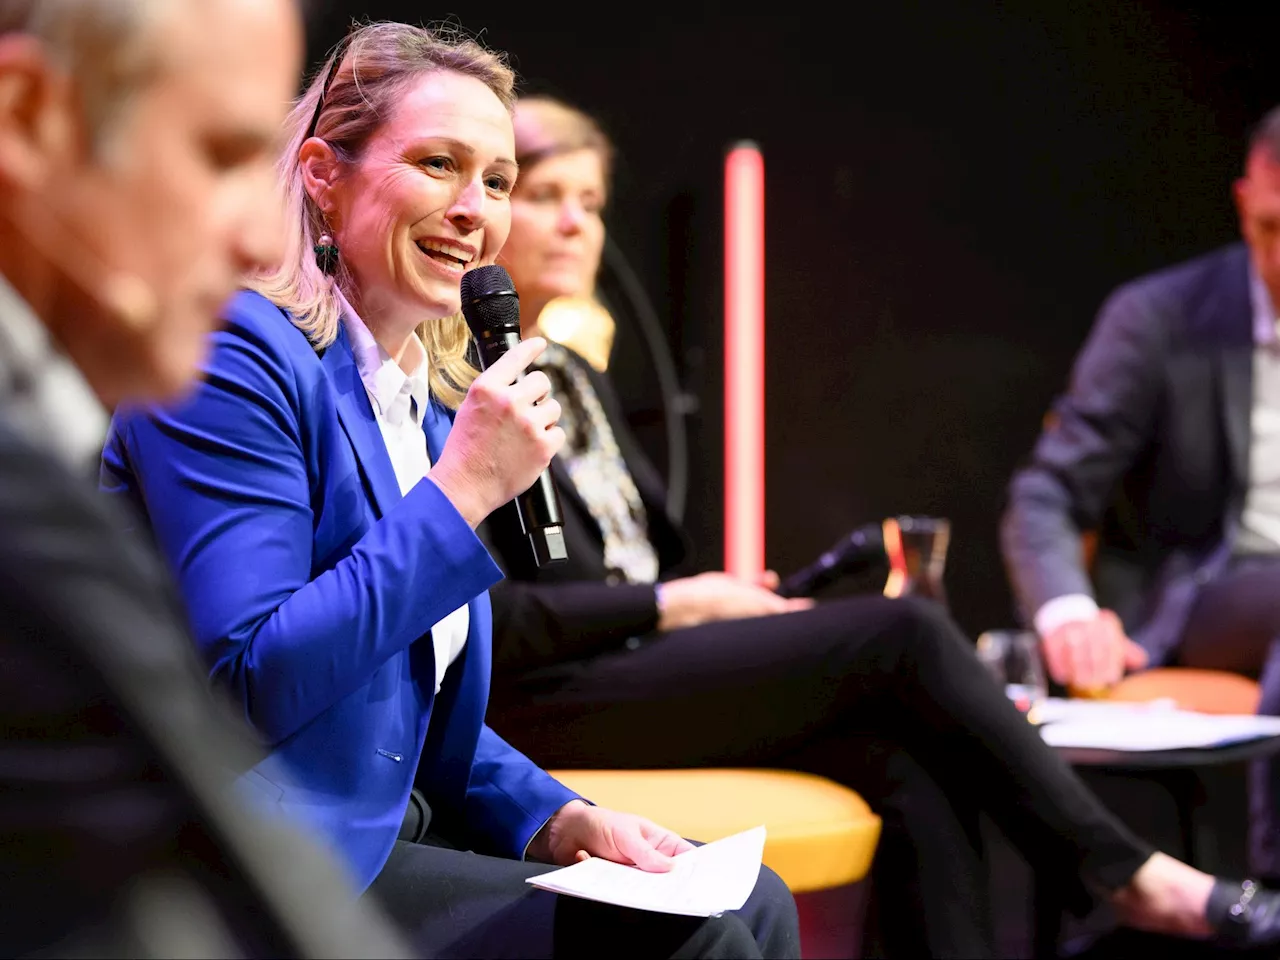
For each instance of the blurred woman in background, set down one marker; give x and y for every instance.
(615, 659)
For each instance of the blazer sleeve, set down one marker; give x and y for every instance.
(224, 480)
(509, 797)
(1101, 425)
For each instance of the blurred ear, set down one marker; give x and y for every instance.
(38, 117)
(1238, 191)
(320, 172)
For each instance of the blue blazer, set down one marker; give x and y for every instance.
(312, 586)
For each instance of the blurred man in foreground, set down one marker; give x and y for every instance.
(136, 140)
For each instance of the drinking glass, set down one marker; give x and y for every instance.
(916, 548)
(1013, 658)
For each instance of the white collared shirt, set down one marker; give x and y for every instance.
(1260, 521)
(399, 401)
(43, 393)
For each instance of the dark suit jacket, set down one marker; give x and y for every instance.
(115, 813)
(1150, 447)
(553, 615)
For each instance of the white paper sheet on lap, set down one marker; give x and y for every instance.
(705, 881)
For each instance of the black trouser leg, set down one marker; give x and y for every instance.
(769, 691)
(929, 876)
(1234, 626)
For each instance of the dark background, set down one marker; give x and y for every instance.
(952, 188)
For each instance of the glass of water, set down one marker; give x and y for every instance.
(1013, 658)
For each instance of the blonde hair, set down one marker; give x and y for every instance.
(369, 73)
(546, 127)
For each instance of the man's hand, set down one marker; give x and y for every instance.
(578, 831)
(1091, 654)
(709, 597)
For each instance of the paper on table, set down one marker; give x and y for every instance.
(1138, 728)
(1054, 709)
(705, 881)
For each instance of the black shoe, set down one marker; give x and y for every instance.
(1244, 916)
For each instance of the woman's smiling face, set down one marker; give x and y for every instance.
(428, 199)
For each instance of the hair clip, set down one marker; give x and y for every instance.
(338, 55)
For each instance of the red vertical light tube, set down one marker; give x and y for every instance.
(744, 360)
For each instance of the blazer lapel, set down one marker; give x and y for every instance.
(460, 705)
(1235, 320)
(435, 424)
(356, 414)
(1237, 408)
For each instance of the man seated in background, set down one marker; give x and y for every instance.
(136, 141)
(1167, 445)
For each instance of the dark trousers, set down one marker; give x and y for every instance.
(454, 903)
(1235, 625)
(885, 696)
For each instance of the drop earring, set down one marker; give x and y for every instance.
(326, 251)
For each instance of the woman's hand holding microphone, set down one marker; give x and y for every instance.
(504, 435)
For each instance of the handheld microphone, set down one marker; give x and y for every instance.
(856, 551)
(492, 309)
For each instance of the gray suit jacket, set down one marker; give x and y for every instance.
(121, 835)
(1150, 448)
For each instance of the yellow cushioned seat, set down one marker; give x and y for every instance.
(820, 834)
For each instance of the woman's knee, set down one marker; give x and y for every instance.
(928, 627)
(905, 626)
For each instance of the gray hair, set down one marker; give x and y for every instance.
(1266, 134)
(105, 46)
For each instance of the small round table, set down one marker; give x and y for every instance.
(1182, 771)
(1165, 759)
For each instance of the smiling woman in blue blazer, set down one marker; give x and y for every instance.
(317, 496)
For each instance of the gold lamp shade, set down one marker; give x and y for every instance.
(582, 325)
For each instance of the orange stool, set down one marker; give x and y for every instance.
(1205, 691)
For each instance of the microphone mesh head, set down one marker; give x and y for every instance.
(489, 300)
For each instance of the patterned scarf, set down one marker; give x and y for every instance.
(599, 474)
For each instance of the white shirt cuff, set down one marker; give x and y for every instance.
(1065, 609)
